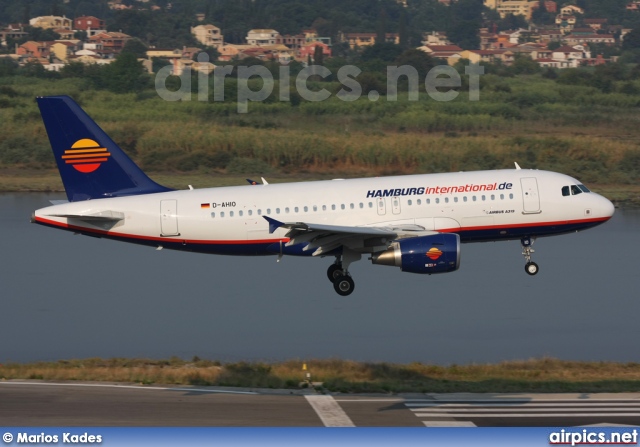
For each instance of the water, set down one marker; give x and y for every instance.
(65, 296)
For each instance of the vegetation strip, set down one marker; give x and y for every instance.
(538, 375)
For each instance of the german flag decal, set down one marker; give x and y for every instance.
(434, 253)
(86, 155)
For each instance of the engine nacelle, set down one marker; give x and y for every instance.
(437, 253)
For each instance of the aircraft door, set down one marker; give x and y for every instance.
(169, 218)
(395, 205)
(382, 206)
(530, 196)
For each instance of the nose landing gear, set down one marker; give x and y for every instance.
(530, 267)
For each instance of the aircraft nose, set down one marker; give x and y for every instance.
(606, 207)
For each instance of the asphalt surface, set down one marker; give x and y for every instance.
(36, 403)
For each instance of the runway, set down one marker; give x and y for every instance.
(38, 403)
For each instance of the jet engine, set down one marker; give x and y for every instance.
(436, 253)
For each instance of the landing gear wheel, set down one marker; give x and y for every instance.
(531, 268)
(343, 285)
(334, 271)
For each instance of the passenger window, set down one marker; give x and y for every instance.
(511, 195)
(409, 202)
(259, 212)
(475, 198)
(315, 208)
(324, 207)
(342, 206)
(428, 201)
(213, 214)
(437, 200)
(277, 210)
(565, 191)
(361, 205)
(221, 213)
(501, 196)
(306, 208)
(575, 190)
(250, 212)
(446, 200)
(455, 199)
(484, 197)
(418, 202)
(464, 199)
(240, 213)
(351, 206)
(333, 207)
(370, 204)
(268, 210)
(295, 209)
(493, 197)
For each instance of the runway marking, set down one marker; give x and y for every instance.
(449, 424)
(523, 415)
(133, 387)
(435, 410)
(329, 411)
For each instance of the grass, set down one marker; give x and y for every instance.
(536, 375)
(576, 130)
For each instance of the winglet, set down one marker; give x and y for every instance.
(517, 165)
(273, 224)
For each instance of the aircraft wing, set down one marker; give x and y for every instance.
(326, 238)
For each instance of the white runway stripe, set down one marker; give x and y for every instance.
(329, 411)
(532, 404)
(448, 424)
(516, 409)
(522, 415)
(434, 411)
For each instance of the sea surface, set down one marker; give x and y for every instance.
(64, 296)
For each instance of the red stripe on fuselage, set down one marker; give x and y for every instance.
(44, 221)
(525, 225)
(268, 241)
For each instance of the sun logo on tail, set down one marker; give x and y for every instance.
(86, 155)
(434, 253)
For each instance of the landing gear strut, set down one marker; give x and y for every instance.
(339, 275)
(530, 267)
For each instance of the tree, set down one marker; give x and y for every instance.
(381, 30)
(8, 67)
(318, 56)
(135, 46)
(417, 59)
(384, 51)
(631, 40)
(125, 74)
(403, 35)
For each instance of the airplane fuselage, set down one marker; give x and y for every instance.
(478, 206)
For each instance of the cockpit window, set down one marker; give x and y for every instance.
(565, 191)
(583, 188)
(575, 190)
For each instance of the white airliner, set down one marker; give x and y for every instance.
(413, 222)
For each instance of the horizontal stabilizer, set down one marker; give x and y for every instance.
(102, 216)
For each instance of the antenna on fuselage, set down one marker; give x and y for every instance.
(517, 165)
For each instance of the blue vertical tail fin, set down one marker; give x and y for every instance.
(91, 164)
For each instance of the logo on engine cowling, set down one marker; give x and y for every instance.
(434, 253)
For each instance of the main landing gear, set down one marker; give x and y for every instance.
(530, 267)
(339, 275)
